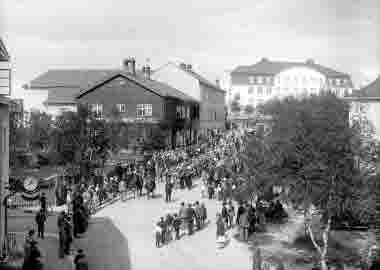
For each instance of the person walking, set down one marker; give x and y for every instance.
(231, 214)
(220, 226)
(225, 214)
(244, 225)
(30, 237)
(240, 211)
(40, 220)
(182, 216)
(198, 215)
(167, 191)
(80, 261)
(43, 203)
(176, 226)
(190, 215)
(203, 214)
(122, 190)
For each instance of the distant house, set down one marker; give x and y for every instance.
(365, 107)
(210, 96)
(60, 87)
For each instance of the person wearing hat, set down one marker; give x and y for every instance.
(80, 261)
(40, 220)
(34, 259)
(190, 215)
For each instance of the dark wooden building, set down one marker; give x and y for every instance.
(150, 107)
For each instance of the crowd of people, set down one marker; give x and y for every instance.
(173, 226)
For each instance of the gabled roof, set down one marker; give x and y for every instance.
(266, 67)
(159, 88)
(196, 75)
(71, 78)
(4, 55)
(371, 91)
(61, 95)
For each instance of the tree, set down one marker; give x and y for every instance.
(235, 106)
(311, 152)
(79, 138)
(249, 109)
(18, 137)
(40, 129)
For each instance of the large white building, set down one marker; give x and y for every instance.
(256, 84)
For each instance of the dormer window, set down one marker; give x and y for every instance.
(251, 79)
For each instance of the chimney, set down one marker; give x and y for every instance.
(130, 65)
(310, 61)
(133, 66)
(146, 72)
(183, 66)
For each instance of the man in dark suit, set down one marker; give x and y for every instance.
(40, 220)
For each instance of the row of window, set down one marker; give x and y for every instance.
(301, 79)
(268, 91)
(142, 110)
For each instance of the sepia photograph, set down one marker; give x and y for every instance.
(190, 135)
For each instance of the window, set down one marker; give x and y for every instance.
(188, 112)
(268, 80)
(337, 81)
(214, 115)
(143, 110)
(259, 79)
(250, 90)
(97, 109)
(206, 95)
(251, 79)
(259, 91)
(269, 91)
(121, 108)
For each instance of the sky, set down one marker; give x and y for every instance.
(213, 35)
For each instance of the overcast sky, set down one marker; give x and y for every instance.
(213, 35)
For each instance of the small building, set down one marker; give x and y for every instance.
(365, 108)
(59, 87)
(146, 104)
(210, 96)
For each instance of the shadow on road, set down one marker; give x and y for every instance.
(105, 246)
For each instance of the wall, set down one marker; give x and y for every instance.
(123, 91)
(296, 81)
(212, 101)
(4, 158)
(179, 79)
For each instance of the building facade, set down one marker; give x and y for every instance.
(145, 104)
(258, 83)
(210, 96)
(365, 109)
(5, 90)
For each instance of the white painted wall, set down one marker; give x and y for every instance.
(5, 78)
(179, 79)
(295, 81)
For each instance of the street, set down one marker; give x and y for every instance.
(135, 219)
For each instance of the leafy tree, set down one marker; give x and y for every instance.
(249, 109)
(235, 106)
(311, 152)
(40, 129)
